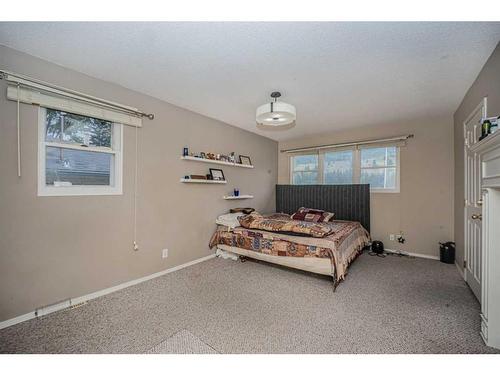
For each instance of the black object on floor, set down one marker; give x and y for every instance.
(377, 248)
(447, 252)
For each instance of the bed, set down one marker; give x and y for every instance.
(330, 255)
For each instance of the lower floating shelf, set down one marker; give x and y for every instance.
(232, 197)
(196, 181)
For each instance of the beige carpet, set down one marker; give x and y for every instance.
(183, 342)
(386, 305)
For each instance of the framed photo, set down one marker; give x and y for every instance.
(202, 155)
(217, 174)
(245, 160)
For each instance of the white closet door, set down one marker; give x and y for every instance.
(472, 131)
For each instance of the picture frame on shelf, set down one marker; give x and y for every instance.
(217, 174)
(245, 160)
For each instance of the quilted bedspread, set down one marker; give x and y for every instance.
(282, 223)
(341, 246)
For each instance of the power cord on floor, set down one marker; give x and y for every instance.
(386, 253)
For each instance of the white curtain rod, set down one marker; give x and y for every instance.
(21, 80)
(336, 145)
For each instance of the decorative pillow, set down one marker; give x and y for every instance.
(284, 224)
(312, 215)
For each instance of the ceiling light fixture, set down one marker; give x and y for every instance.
(275, 113)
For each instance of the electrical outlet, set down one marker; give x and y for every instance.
(391, 237)
(164, 253)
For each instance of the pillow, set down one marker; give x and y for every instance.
(312, 215)
(229, 220)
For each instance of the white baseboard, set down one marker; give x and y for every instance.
(75, 301)
(461, 271)
(416, 255)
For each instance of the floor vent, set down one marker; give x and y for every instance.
(77, 305)
(63, 305)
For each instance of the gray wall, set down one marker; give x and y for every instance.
(53, 248)
(486, 84)
(423, 209)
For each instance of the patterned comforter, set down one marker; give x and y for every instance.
(282, 223)
(342, 246)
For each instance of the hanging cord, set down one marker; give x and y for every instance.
(18, 137)
(136, 247)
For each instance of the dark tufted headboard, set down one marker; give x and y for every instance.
(347, 202)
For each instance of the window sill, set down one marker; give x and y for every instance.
(384, 191)
(77, 191)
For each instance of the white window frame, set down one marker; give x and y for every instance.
(320, 165)
(396, 189)
(75, 190)
(356, 160)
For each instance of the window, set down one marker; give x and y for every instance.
(338, 167)
(305, 169)
(78, 155)
(377, 166)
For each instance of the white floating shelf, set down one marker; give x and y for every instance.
(196, 181)
(192, 158)
(232, 197)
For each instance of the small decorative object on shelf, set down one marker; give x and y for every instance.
(489, 126)
(494, 124)
(485, 129)
(231, 158)
(217, 174)
(202, 155)
(245, 160)
(185, 151)
(197, 177)
(236, 192)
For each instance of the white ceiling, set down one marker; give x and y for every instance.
(338, 75)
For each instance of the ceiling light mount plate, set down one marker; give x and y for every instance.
(275, 114)
(275, 95)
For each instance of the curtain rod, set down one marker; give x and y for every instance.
(336, 145)
(26, 81)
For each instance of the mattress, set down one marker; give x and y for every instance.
(321, 266)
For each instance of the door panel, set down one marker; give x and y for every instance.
(472, 220)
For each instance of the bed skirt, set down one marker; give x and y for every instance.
(321, 266)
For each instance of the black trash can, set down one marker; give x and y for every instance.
(447, 252)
